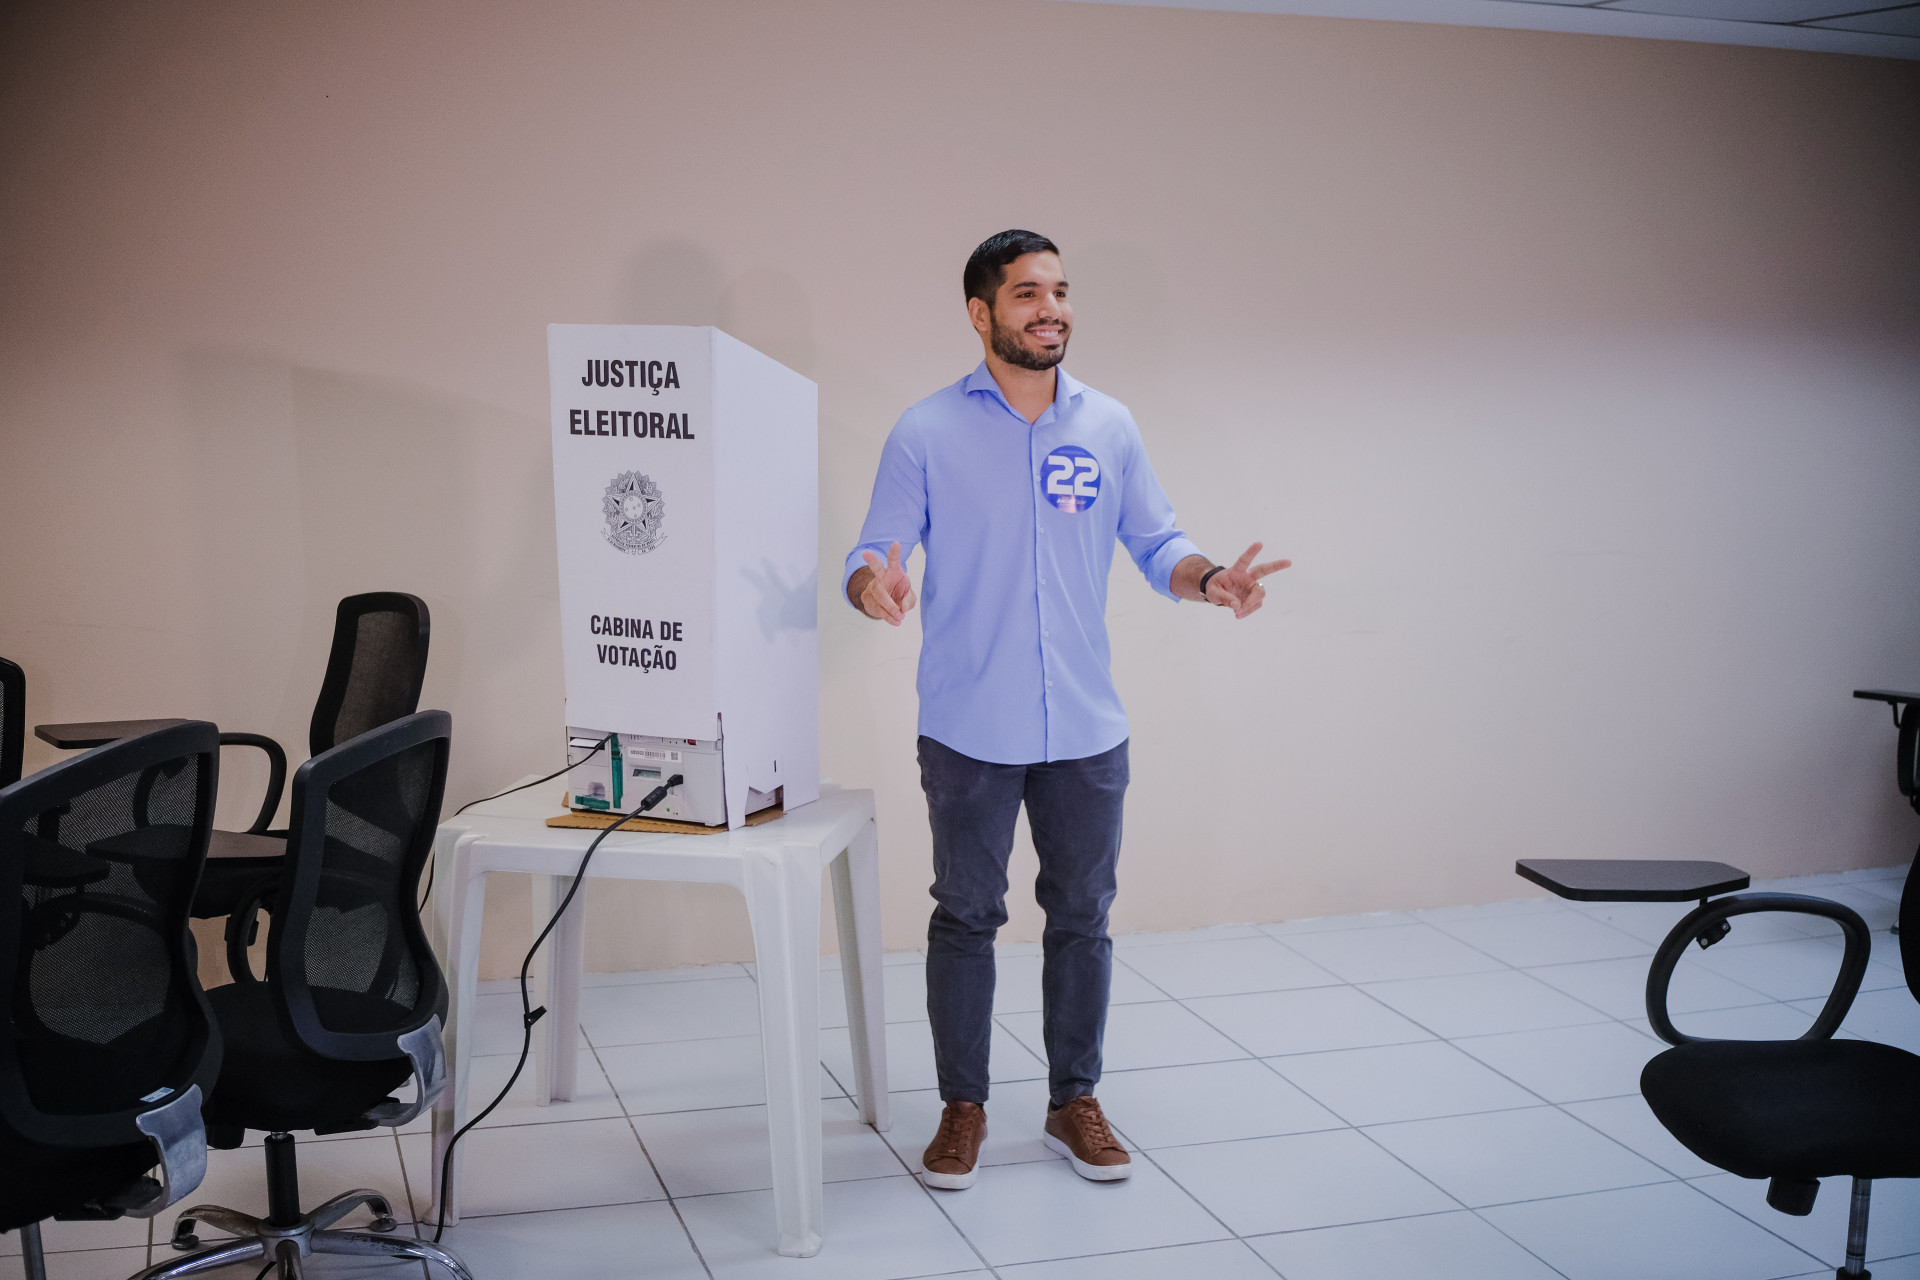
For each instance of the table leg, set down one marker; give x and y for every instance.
(782, 887)
(557, 1037)
(856, 909)
(466, 906)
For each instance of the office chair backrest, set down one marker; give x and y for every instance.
(1909, 927)
(99, 858)
(1906, 757)
(376, 668)
(13, 721)
(351, 964)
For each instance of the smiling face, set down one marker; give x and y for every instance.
(1030, 320)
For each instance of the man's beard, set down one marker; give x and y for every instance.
(1007, 345)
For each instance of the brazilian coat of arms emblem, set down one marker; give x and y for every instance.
(634, 510)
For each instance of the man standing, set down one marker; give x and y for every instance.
(1017, 480)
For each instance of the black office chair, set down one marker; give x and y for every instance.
(108, 1040)
(1793, 1111)
(13, 721)
(351, 1004)
(374, 674)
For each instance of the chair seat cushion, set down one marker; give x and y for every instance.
(1791, 1108)
(269, 1081)
(37, 1182)
(236, 862)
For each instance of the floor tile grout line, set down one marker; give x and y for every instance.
(1456, 1199)
(1437, 1213)
(1347, 1124)
(1363, 1222)
(1463, 942)
(672, 1199)
(1754, 1221)
(406, 1186)
(1436, 1037)
(1763, 1000)
(1604, 924)
(1154, 1248)
(1222, 1033)
(698, 1255)
(1120, 959)
(1758, 1222)
(1358, 1129)
(1475, 1057)
(940, 1208)
(1204, 1206)
(418, 1227)
(1601, 1014)
(1561, 1107)
(1517, 1243)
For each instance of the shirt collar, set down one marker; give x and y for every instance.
(1065, 387)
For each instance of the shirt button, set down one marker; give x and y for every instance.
(1043, 582)
(1049, 684)
(1046, 633)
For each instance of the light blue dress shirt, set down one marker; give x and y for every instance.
(1019, 523)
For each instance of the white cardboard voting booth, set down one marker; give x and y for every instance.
(686, 494)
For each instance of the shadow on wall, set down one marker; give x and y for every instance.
(314, 484)
(673, 280)
(782, 606)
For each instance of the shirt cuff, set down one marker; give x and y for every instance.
(1160, 564)
(856, 560)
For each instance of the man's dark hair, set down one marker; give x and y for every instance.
(987, 268)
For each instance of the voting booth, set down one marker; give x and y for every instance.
(686, 493)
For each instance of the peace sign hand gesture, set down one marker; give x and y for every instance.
(1238, 585)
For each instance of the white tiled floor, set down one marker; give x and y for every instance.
(1440, 1095)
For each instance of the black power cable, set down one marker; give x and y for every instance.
(598, 747)
(528, 1014)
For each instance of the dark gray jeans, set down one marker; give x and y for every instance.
(1073, 808)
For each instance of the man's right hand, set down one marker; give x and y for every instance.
(882, 588)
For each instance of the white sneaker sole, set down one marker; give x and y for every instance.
(950, 1181)
(1091, 1172)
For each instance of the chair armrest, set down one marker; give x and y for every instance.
(424, 1047)
(1706, 924)
(276, 773)
(179, 1137)
(241, 929)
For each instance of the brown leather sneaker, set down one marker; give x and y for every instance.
(951, 1157)
(1079, 1132)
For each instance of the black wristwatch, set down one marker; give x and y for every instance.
(1208, 577)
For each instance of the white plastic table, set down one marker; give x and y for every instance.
(777, 867)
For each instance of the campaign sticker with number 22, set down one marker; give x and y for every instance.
(1070, 478)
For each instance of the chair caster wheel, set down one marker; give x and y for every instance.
(185, 1241)
(382, 1224)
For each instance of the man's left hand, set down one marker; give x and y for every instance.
(1238, 585)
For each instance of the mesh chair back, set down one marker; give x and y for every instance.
(13, 720)
(376, 668)
(348, 959)
(105, 1018)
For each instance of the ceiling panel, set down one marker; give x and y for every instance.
(1891, 22)
(1742, 10)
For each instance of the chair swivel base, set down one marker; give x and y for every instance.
(261, 1240)
(286, 1235)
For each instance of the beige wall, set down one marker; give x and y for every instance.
(1578, 375)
